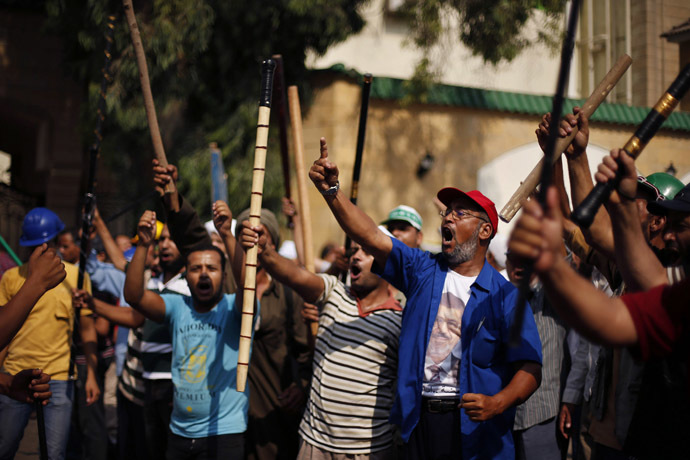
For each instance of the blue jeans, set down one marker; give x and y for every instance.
(14, 416)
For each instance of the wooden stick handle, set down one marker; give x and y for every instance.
(588, 108)
(154, 130)
(267, 69)
(301, 173)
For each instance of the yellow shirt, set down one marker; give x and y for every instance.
(45, 338)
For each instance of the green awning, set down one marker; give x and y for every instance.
(461, 96)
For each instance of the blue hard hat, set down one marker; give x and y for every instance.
(40, 226)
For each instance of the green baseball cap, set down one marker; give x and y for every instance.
(405, 214)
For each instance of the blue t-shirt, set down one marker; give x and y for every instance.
(204, 368)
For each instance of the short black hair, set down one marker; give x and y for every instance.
(69, 231)
(205, 246)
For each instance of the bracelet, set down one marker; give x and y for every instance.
(332, 190)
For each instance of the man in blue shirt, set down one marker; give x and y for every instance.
(458, 379)
(209, 416)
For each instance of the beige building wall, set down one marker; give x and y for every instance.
(655, 60)
(462, 140)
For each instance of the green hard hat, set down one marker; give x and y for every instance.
(665, 183)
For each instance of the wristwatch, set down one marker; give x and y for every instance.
(332, 190)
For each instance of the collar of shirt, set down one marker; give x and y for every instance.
(390, 304)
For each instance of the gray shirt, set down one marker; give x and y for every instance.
(544, 403)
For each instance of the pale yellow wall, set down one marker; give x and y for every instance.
(461, 139)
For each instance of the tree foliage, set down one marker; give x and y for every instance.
(204, 59)
(491, 29)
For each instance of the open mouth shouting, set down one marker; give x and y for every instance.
(355, 272)
(204, 287)
(447, 235)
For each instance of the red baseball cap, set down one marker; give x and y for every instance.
(448, 194)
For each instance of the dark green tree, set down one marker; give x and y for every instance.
(204, 59)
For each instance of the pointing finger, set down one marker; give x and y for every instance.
(324, 148)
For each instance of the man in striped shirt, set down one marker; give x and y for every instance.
(355, 358)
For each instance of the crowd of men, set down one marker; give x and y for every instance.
(415, 357)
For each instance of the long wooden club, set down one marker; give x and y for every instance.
(301, 173)
(154, 130)
(267, 68)
(588, 108)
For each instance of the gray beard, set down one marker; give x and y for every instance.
(463, 251)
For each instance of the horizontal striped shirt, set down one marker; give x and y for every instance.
(355, 364)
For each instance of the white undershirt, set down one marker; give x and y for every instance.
(444, 349)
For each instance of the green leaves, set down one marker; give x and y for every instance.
(491, 29)
(203, 61)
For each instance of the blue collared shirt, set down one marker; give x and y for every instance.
(486, 363)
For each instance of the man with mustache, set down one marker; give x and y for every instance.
(354, 358)
(492, 377)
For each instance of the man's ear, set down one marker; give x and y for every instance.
(485, 232)
(420, 238)
(656, 223)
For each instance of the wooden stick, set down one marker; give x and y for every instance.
(301, 172)
(591, 104)
(267, 69)
(154, 130)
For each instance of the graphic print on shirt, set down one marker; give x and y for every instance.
(195, 390)
(194, 365)
(444, 350)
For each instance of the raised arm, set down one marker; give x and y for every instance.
(222, 220)
(640, 267)
(360, 227)
(308, 285)
(185, 227)
(46, 271)
(537, 238)
(599, 234)
(111, 247)
(146, 302)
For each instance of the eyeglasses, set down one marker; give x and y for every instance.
(459, 214)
